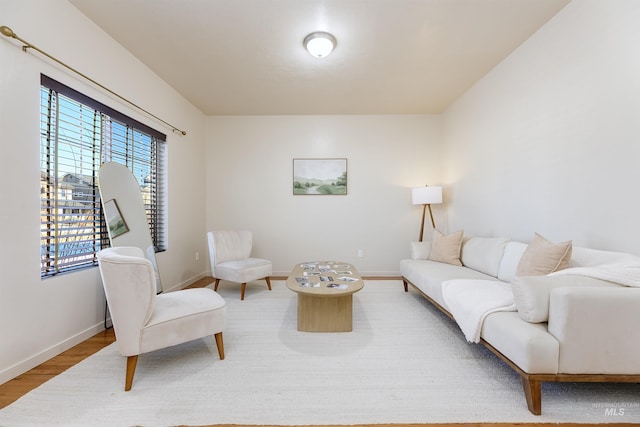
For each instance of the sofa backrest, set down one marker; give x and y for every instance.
(512, 253)
(483, 254)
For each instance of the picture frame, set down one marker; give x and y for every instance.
(116, 223)
(317, 176)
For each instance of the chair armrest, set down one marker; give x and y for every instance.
(597, 329)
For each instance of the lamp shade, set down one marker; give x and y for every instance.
(426, 195)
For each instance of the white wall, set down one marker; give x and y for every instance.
(249, 185)
(548, 140)
(41, 318)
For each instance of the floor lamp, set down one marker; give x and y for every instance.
(426, 196)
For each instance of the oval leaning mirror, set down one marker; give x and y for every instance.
(124, 211)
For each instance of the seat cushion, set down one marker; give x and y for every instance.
(183, 316)
(243, 271)
(428, 276)
(529, 345)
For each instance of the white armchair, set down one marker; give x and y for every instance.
(230, 257)
(143, 321)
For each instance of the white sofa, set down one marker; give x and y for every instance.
(567, 326)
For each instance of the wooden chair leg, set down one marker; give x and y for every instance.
(220, 345)
(215, 286)
(243, 287)
(533, 394)
(131, 370)
(406, 286)
(268, 282)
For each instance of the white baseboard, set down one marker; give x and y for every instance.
(35, 360)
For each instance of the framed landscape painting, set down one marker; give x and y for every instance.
(115, 221)
(319, 176)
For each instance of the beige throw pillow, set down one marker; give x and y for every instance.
(543, 257)
(446, 247)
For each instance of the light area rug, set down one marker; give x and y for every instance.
(404, 362)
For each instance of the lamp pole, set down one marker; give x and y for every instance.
(424, 211)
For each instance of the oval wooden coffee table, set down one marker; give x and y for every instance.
(325, 295)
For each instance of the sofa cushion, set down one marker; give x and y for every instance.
(446, 247)
(528, 345)
(428, 276)
(483, 254)
(512, 254)
(531, 293)
(543, 257)
(470, 301)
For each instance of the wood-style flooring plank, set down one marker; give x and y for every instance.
(13, 389)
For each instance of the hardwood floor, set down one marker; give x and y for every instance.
(14, 389)
(19, 386)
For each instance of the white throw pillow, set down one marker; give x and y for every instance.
(531, 293)
(510, 260)
(420, 250)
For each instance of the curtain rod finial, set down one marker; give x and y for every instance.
(6, 31)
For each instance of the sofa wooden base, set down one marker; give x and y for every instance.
(532, 383)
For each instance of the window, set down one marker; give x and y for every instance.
(77, 135)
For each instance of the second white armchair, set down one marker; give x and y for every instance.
(230, 257)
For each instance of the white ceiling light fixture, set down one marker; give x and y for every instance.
(319, 44)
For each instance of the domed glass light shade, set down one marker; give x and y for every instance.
(319, 44)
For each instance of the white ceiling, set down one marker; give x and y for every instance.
(392, 57)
